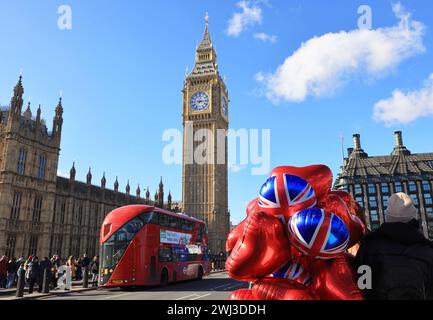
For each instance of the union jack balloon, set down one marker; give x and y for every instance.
(318, 233)
(294, 271)
(286, 194)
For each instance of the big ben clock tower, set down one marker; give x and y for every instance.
(205, 121)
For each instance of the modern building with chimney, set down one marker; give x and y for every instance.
(373, 179)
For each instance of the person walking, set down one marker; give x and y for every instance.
(221, 260)
(11, 273)
(27, 262)
(3, 271)
(86, 260)
(86, 263)
(79, 272)
(94, 267)
(72, 263)
(400, 257)
(45, 264)
(55, 264)
(213, 263)
(33, 274)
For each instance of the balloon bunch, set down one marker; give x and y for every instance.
(293, 243)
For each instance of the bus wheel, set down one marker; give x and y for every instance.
(164, 278)
(200, 273)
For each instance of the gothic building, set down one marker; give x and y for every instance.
(373, 179)
(40, 212)
(205, 118)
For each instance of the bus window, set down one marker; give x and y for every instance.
(165, 254)
(182, 254)
(163, 220)
(188, 226)
(173, 222)
(155, 218)
(147, 217)
(130, 230)
(201, 232)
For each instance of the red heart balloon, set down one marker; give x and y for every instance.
(335, 280)
(318, 176)
(281, 289)
(252, 207)
(262, 248)
(234, 235)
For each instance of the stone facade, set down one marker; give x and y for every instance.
(205, 115)
(372, 180)
(40, 212)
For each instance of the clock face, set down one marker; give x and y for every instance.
(224, 106)
(199, 101)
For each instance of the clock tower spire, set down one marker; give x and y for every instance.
(205, 121)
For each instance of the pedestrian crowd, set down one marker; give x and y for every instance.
(34, 270)
(218, 261)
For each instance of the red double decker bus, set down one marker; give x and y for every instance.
(146, 246)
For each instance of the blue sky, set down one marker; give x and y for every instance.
(121, 69)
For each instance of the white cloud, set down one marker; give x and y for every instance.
(251, 14)
(405, 107)
(323, 64)
(265, 37)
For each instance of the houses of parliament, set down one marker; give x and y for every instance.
(41, 212)
(45, 214)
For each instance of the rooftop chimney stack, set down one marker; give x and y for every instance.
(357, 141)
(399, 148)
(356, 151)
(398, 139)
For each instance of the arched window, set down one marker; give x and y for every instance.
(21, 165)
(37, 209)
(42, 165)
(16, 206)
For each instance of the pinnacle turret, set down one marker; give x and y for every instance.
(72, 172)
(103, 181)
(116, 185)
(89, 177)
(17, 98)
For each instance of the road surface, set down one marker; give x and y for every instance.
(217, 286)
